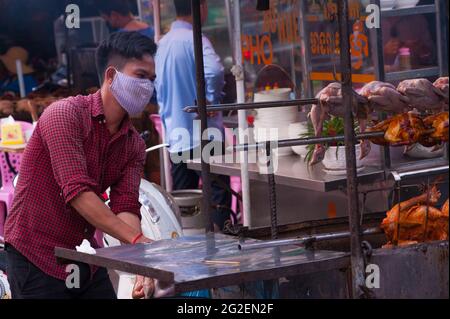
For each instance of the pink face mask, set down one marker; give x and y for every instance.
(133, 94)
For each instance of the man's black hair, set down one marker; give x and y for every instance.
(120, 47)
(183, 7)
(120, 6)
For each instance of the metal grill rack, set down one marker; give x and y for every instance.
(350, 139)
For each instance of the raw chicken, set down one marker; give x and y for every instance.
(402, 129)
(331, 103)
(384, 97)
(414, 224)
(422, 94)
(442, 85)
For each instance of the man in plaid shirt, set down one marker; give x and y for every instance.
(82, 146)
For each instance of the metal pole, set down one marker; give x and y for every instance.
(307, 141)
(305, 57)
(157, 19)
(377, 53)
(238, 71)
(441, 36)
(304, 241)
(357, 261)
(272, 192)
(139, 7)
(201, 100)
(252, 105)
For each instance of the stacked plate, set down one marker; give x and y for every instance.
(273, 123)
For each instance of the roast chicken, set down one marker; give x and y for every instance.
(384, 97)
(402, 129)
(331, 103)
(444, 208)
(422, 95)
(413, 224)
(438, 128)
(442, 85)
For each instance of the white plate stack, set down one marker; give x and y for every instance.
(275, 119)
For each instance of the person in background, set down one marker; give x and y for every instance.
(82, 146)
(411, 32)
(9, 81)
(176, 87)
(117, 13)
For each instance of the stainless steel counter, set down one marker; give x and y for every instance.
(294, 172)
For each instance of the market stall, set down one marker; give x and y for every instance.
(316, 248)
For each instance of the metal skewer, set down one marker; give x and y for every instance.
(306, 141)
(305, 240)
(251, 106)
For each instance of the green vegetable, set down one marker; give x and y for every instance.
(331, 127)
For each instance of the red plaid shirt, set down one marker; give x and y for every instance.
(71, 152)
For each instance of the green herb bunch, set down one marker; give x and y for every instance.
(334, 126)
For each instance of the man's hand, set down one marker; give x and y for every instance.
(143, 288)
(144, 240)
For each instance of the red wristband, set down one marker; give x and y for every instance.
(137, 238)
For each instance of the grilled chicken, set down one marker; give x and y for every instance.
(385, 97)
(331, 103)
(380, 127)
(413, 220)
(444, 208)
(422, 94)
(438, 125)
(442, 85)
(402, 129)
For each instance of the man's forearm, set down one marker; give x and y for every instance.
(131, 220)
(100, 216)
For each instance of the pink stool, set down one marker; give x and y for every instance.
(7, 189)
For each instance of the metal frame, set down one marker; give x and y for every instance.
(357, 261)
(399, 177)
(201, 100)
(350, 139)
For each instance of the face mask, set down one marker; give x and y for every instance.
(133, 94)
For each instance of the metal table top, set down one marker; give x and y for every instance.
(208, 261)
(295, 172)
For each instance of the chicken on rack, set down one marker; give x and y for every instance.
(400, 130)
(419, 221)
(438, 127)
(442, 85)
(422, 95)
(384, 97)
(444, 208)
(331, 103)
